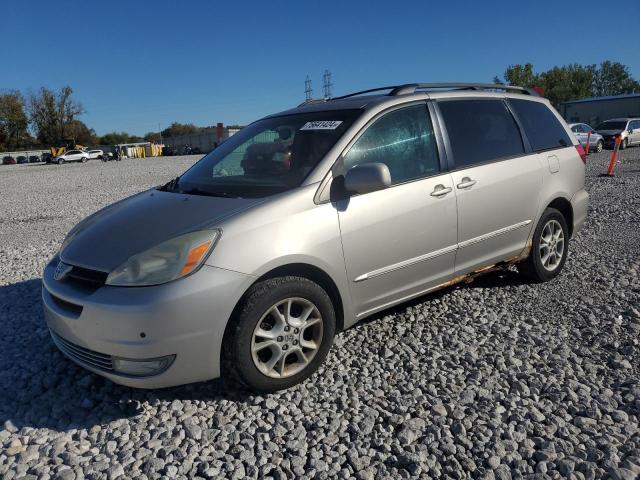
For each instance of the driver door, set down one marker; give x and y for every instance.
(400, 241)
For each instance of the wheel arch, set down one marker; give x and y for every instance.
(563, 205)
(306, 270)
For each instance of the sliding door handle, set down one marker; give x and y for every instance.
(466, 182)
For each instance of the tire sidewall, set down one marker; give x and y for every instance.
(260, 298)
(543, 273)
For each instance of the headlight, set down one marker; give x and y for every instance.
(168, 261)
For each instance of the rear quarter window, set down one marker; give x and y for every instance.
(541, 126)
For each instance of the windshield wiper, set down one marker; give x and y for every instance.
(170, 186)
(208, 193)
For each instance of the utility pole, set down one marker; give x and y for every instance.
(308, 91)
(160, 132)
(326, 79)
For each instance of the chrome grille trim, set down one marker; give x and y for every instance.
(83, 355)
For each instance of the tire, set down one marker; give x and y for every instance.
(599, 146)
(84, 159)
(624, 144)
(60, 161)
(536, 267)
(246, 363)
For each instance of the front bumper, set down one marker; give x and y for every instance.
(185, 318)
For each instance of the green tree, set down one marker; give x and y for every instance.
(81, 134)
(519, 75)
(176, 129)
(52, 114)
(115, 138)
(152, 137)
(613, 78)
(13, 121)
(569, 82)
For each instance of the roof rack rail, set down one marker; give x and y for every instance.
(409, 88)
(312, 101)
(413, 87)
(393, 87)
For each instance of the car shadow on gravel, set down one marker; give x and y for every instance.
(40, 388)
(497, 279)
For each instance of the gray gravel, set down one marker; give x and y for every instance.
(496, 379)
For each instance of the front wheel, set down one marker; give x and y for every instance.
(60, 161)
(281, 334)
(624, 144)
(549, 249)
(599, 146)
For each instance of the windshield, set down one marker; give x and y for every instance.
(269, 156)
(612, 125)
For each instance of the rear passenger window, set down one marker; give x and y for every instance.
(403, 140)
(541, 126)
(480, 131)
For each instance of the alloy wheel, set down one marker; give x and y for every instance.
(287, 338)
(551, 245)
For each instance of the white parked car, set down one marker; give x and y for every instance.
(71, 156)
(95, 154)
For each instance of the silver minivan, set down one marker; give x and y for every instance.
(306, 222)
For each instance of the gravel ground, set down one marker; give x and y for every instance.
(496, 379)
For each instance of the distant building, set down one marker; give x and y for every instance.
(598, 109)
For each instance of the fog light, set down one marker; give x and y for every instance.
(142, 368)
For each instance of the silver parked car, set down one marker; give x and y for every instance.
(627, 128)
(309, 220)
(584, 133)
(72, 156)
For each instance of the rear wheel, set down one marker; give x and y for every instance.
(599, 146)
(60, 161)
(280, 335)
(84, 159)
(549, 249)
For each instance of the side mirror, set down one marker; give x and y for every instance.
(367, 177)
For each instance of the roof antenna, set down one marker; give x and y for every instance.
(308, 91)
(326, 78)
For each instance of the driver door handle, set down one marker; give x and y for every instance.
(466, 182)
(440, 190)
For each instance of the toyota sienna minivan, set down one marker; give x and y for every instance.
(306, 222)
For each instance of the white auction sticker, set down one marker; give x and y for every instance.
(322, 125)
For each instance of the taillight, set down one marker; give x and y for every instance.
(582, 153)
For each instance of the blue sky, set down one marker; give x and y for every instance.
(136, 64)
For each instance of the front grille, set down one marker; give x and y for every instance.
(86, 278)
(83, 355)
(69, 307)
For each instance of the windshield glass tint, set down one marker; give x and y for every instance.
(612, 126)
(269, 156)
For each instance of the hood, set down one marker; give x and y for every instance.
(104, 240)
(610, 132)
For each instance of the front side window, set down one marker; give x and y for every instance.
(403, 140)
(480, 131)
(267, 157)
(542, 127)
